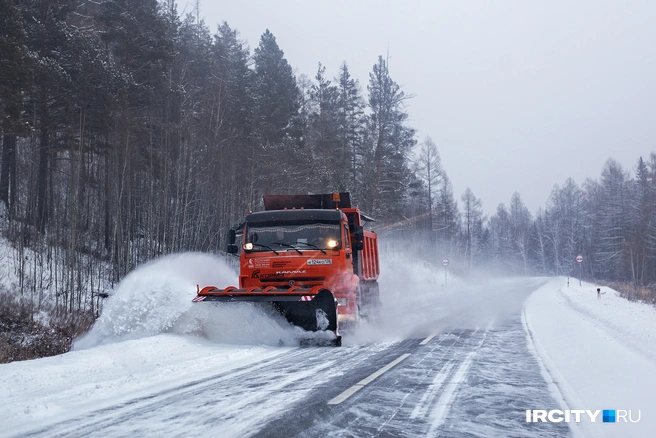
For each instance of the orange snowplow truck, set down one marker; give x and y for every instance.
(308, 256)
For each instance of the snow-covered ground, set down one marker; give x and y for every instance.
(54, 389)
(595, 353)
(598, 353)
(41, 271)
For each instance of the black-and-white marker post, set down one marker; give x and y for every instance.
(445, 263)
(579, 260)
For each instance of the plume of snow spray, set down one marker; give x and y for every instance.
(414, 301)
(156, 298)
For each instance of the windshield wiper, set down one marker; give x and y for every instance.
(266, 247)
(312, 246)
(287, 245)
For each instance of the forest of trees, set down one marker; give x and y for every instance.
(129, 132)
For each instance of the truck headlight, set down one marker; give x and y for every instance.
(332, 243)
(342, 301)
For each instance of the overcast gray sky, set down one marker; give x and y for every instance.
(518, 96)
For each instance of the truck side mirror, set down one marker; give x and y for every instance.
(232, 236)
(358, 233)
(358, 246)
(232, 249)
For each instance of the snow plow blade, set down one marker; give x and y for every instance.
(310, 309)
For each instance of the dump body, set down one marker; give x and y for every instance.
(315, 265)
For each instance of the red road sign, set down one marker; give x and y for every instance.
(579, 258)
(445, 262)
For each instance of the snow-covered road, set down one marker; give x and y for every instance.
(467, 361)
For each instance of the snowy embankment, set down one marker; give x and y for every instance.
(598, 353)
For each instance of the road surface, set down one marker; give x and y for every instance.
(467, 371)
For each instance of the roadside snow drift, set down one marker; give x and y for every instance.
(598, 353)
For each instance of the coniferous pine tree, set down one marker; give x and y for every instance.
(390, 141)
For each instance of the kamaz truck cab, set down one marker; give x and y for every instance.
(309, 256)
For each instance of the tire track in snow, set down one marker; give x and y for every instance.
(441, 408)
(430, 394)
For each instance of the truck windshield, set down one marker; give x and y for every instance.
(294, 237)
